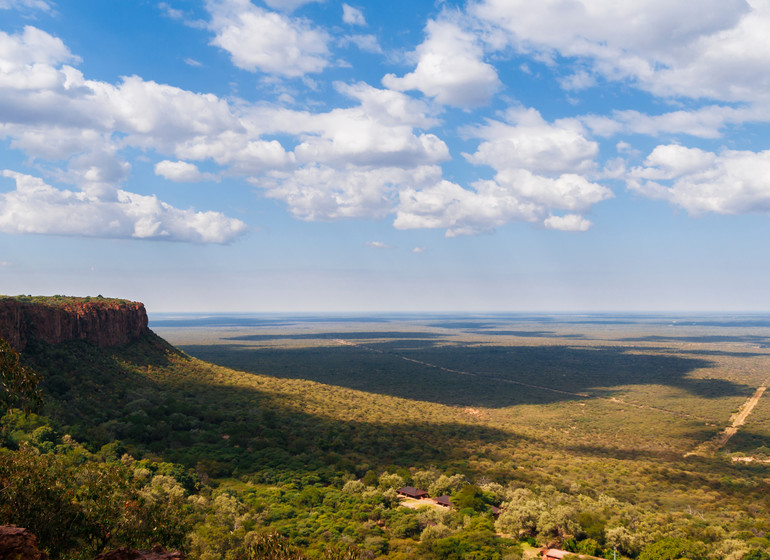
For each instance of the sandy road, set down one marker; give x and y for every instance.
(736, 421)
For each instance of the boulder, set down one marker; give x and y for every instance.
(19, 544)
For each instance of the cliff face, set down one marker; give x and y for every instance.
(104, 322)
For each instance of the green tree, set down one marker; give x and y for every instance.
(757, 554)
(673, 548)
(470, 497)
(18, 385)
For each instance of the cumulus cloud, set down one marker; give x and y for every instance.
(539, 168)
(181, 171)
(527, 141)
(36, 207)
(704, 122)
(351, 162)
(370, 159)
(373, 145)
(450, 67)
(526, 198)
(569, 222)
(241, 152)
(322, 192)
(379, 131)
(460, 211)
(258, 39)
(50, 107)
(695, 48)
(729, 182)
(352, 16)
(21, 54)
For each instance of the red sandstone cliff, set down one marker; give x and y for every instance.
(104, 322)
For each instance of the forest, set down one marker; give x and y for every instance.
(289, 438)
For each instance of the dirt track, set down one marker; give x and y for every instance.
(736, 421)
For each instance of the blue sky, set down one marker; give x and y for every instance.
(316, 155)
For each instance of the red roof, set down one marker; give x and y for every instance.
(412, 492)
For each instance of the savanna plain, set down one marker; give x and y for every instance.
(256, 436)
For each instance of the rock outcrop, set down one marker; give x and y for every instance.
(17, 543)
(101, 321)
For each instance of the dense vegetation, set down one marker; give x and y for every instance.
(581, 442)
(63, 301)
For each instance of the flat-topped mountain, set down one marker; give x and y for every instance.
(101, 321)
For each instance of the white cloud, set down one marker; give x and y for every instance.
(288, 5)
(367, 43)
(270, 42)
(49, 110)
(321, 192)
(530, 198)
(352, 16)
(36, 207)
(450, 67)
(379, 131)
(460, 211)
(569, 222)
(170, 12)
(527, 141)
(577, 81)
(695, 48)
(181, 171)
(418, 250)
(86, 124)
(42, 5)
(704, 122)
(378, 245)
(539, 167)
(21, 54)
(192, 62)
(567, 191)
(241, 152)
(730, 182)
(368, 160)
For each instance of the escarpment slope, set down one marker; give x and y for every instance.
(101, 321)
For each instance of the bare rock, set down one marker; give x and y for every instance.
(103, 322)
(19, 544)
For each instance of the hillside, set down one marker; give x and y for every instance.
(312, 442)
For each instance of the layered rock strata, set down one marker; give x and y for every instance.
(103, 322)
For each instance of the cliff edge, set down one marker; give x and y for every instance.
(101, 321)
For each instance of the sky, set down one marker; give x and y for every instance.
(317, 155)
